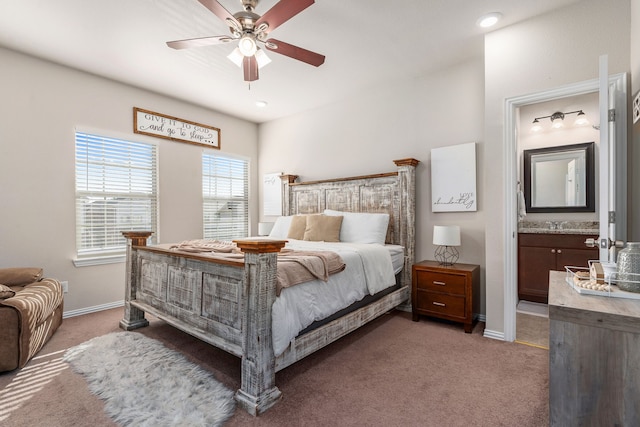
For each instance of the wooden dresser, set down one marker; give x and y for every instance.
(594, 358)
(540, 253)
(445, 292)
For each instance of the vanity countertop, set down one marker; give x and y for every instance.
(558, 227)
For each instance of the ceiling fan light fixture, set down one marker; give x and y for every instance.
(247, 45)
(262, 58)
(236, 57)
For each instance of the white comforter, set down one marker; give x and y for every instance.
(369, 269)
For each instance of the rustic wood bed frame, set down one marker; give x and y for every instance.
(227, 303)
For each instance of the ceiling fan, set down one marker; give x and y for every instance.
(251, 30)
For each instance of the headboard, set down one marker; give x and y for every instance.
(391, 192)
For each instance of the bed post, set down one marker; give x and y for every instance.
(406, 186)
(286, 192)
(133, 316)
(258, 391)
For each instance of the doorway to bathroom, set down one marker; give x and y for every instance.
(555, 148)
(616, 87)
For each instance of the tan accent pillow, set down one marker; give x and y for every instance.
(20, 275)
(297, 227)
(6, 292)
(323, 228)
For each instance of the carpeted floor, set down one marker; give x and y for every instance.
(391, 372)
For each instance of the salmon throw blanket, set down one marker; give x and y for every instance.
(294, 267)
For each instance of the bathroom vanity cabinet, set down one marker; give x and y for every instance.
(539, 253)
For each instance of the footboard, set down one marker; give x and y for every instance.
(226, 303)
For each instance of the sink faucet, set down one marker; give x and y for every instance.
(555, 225)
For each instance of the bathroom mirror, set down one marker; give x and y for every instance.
(560, 179)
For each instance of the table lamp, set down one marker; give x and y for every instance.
(447, 237)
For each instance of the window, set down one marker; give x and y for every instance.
(116, 191)
(225, 193)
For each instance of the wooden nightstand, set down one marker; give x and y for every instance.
(445, 292)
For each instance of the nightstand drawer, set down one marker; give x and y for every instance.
(441, 282)
(437, 303)
(444, 291)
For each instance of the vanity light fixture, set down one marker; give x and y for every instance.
(557, 120)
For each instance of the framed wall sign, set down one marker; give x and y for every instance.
(159, 125)
(453, 178)
(272, 193)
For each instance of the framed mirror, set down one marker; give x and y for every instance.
(560, 179)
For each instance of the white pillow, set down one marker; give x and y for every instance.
(280, 229)
(360, 227)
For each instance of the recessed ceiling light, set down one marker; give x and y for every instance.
(261, 104)
(489, 20)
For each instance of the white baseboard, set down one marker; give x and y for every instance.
(94, 309)
(494, 335)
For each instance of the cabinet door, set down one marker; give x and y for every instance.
(575, 257)
(534, 264)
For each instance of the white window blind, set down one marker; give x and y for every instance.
(225, 193)
(116, 191)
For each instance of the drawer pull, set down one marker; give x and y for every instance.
(435, 282)
(440, 304)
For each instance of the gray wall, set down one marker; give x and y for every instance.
(546, 52)
(461, 104)
(43, 105)
(365, 133)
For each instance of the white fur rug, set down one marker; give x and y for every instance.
(143, 383)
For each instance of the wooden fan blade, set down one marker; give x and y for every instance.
(294, 52)
(250, 68)
(283, 11)
(197, 42)
(219, 11)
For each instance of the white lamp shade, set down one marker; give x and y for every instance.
(446, 235)
(262, 58)
(236, 57)
(264, 228)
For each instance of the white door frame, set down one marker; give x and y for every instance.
(510, 271)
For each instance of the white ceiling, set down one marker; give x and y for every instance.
(366, 43)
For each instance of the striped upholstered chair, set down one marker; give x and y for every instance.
(30, 312)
